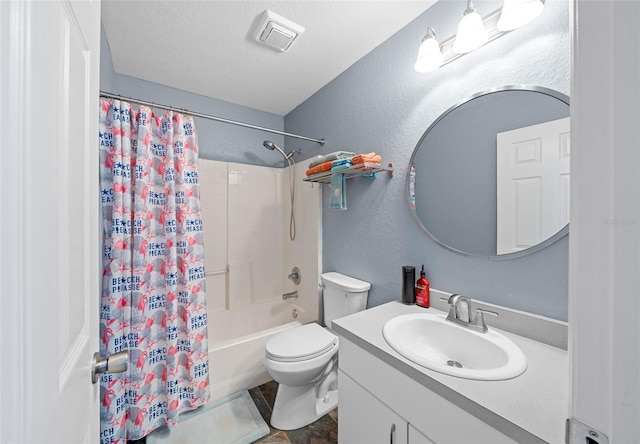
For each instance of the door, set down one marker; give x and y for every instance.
(364, 419)
(604, 240)
(532, 184)
(49, 228)
(415, 436)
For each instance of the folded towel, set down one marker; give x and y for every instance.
(338, 192)
(344, 166)
(341, 164)
(326, 166)
(366, 158)
(361, 157)
(362, 166)
(330, 157)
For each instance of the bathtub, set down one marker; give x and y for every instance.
(237, 364)
(248, 257)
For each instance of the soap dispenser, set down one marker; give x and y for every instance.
(422, 290)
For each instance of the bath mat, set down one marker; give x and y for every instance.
(231, 420)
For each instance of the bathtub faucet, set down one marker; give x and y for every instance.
(295, 275)
(293, 294)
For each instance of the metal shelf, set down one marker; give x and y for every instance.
(351, 172)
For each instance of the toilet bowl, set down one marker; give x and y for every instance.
(304, 360)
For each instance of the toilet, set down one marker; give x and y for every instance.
(304, 359)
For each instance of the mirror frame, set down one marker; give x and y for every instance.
(556, 237)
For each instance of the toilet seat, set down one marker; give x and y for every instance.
(300, 344)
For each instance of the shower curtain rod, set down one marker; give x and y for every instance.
(207, 116)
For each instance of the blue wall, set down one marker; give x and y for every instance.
(217, 141)
(381, 104)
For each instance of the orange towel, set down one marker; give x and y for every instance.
(320, 168)
(366, 158)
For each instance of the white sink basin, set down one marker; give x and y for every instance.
(433, 342)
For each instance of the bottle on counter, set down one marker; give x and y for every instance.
(408, 284)
(422, 290)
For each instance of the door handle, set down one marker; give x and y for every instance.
(392, 434)
(116, 363)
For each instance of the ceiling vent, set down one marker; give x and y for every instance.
(277, 32)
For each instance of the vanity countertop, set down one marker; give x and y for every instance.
(531, 407)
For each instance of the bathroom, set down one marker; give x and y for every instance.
(382, 235)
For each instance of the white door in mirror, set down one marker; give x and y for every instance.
(532, 184)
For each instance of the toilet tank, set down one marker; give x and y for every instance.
(342, 295)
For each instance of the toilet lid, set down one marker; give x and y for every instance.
(300, 343)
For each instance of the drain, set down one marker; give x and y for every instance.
(452, 363)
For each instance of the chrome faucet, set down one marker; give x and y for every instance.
(293, 294)
(461, 313)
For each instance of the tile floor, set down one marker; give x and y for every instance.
(323, 431)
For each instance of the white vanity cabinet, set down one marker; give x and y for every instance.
(376, 399)
(416, 437)
(365, 419)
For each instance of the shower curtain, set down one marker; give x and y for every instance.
(153, 295)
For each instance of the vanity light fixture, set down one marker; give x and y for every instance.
(471, 33)
(474, 31)
(429, 55)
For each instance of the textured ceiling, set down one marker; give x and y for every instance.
(207, 47)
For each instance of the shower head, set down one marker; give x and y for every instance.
(271, 146)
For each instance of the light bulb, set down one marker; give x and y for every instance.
(430, 57)
(471, 32)
(517, 13)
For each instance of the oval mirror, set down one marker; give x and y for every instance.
(490, 177)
